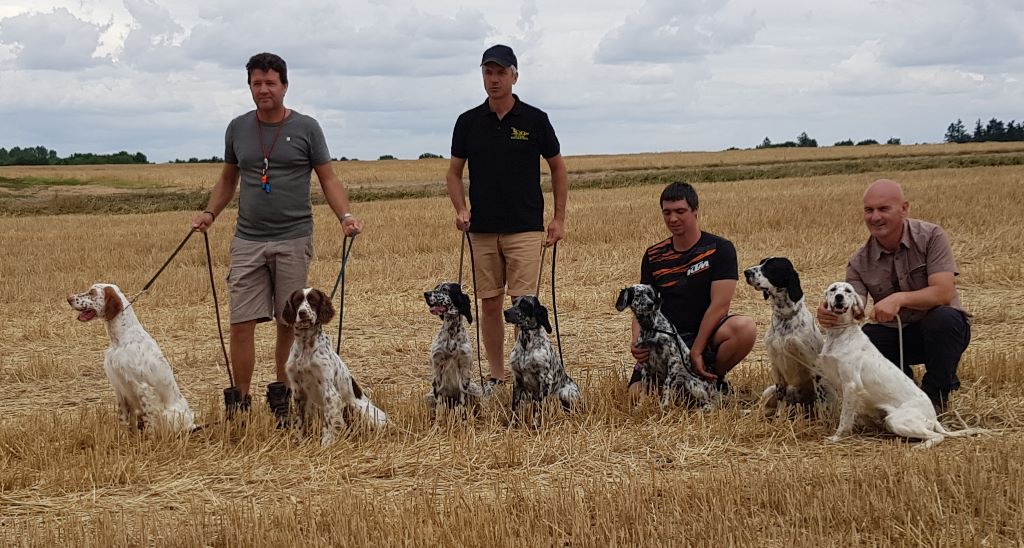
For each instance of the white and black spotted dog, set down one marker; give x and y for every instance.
(140, 375)
(538, 372)
(451, 355)
(872, 385)
(668, 367)
(792, 340)
(320, 382)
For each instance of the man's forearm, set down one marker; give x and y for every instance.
(924, 299)
(336, 196)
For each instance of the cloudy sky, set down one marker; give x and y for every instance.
(390, 76)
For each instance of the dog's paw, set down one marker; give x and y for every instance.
(834, 438)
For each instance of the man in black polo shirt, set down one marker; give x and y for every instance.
(695, 272)
(503, 140)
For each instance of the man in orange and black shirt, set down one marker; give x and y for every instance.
(695, 273)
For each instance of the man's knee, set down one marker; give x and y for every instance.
(942, 321)
(740, 331)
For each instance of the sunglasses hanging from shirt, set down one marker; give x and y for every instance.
(264, 178)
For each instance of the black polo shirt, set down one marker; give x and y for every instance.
(504, 165)
(683, 278)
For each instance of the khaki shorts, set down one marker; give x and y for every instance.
(506, 262)
(263, 275)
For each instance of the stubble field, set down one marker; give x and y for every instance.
(611, 474)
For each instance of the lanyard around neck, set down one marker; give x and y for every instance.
(264, 179)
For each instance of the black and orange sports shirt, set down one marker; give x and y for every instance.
(683, 278)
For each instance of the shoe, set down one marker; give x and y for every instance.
(279, 398)
(235, 402)
(490, 385)
(723, 387)
(940, 402)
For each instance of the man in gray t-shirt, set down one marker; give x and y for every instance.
(269, 154)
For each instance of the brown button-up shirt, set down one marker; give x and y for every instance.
(924, 250)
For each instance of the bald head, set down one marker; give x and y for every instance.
(885, 210)
(884, 189)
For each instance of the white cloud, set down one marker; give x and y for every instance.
(391, 76)
(982, 33)
(673, 31)
(55, 40)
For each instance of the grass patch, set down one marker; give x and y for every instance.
(21, 183)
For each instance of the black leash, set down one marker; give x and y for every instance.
(158, 272)
(216, 309)
(476, 305)
(346, 249)
(554, 303)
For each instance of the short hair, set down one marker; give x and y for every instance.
(266, 62)
(512, 68)
(677, 191)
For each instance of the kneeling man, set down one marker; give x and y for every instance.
(907, 268)
(695, 272)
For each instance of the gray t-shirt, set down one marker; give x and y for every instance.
(284, 213)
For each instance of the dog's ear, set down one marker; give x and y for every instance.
(324, 308)
(793, 288)
(541, 314)
(112, 305)
(625, 297)
(288, 314)
(858, 306)
(356, 389)
(656, 297)
(461, 301)
(765, 293)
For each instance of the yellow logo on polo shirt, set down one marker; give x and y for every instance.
(520, 135)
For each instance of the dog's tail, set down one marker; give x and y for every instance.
(962, 433)
(374, 416)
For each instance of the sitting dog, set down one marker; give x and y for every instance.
(143, 382)
(792, 341)
(871, 384)
(668, 368)
(451, 355)
(538, 371)
(320, 382)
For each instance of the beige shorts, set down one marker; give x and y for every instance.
(506, 262)
(263, 275)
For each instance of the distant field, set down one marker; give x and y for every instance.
(42, 190)
(612, 474)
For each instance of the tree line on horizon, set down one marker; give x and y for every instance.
(956, 132)
(42, 156)
(803, 141)
(994, 130)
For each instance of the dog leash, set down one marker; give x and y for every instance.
(146, 287)
(476, 305)
(216, 310)
(346, 250)
(554, 302)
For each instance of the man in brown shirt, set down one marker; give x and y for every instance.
(907, 268)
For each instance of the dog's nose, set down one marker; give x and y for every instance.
(838, 299)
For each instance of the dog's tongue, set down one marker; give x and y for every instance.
(438, 310)
(86, 315)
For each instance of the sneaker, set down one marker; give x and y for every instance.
(940, 402)
(723, 386)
